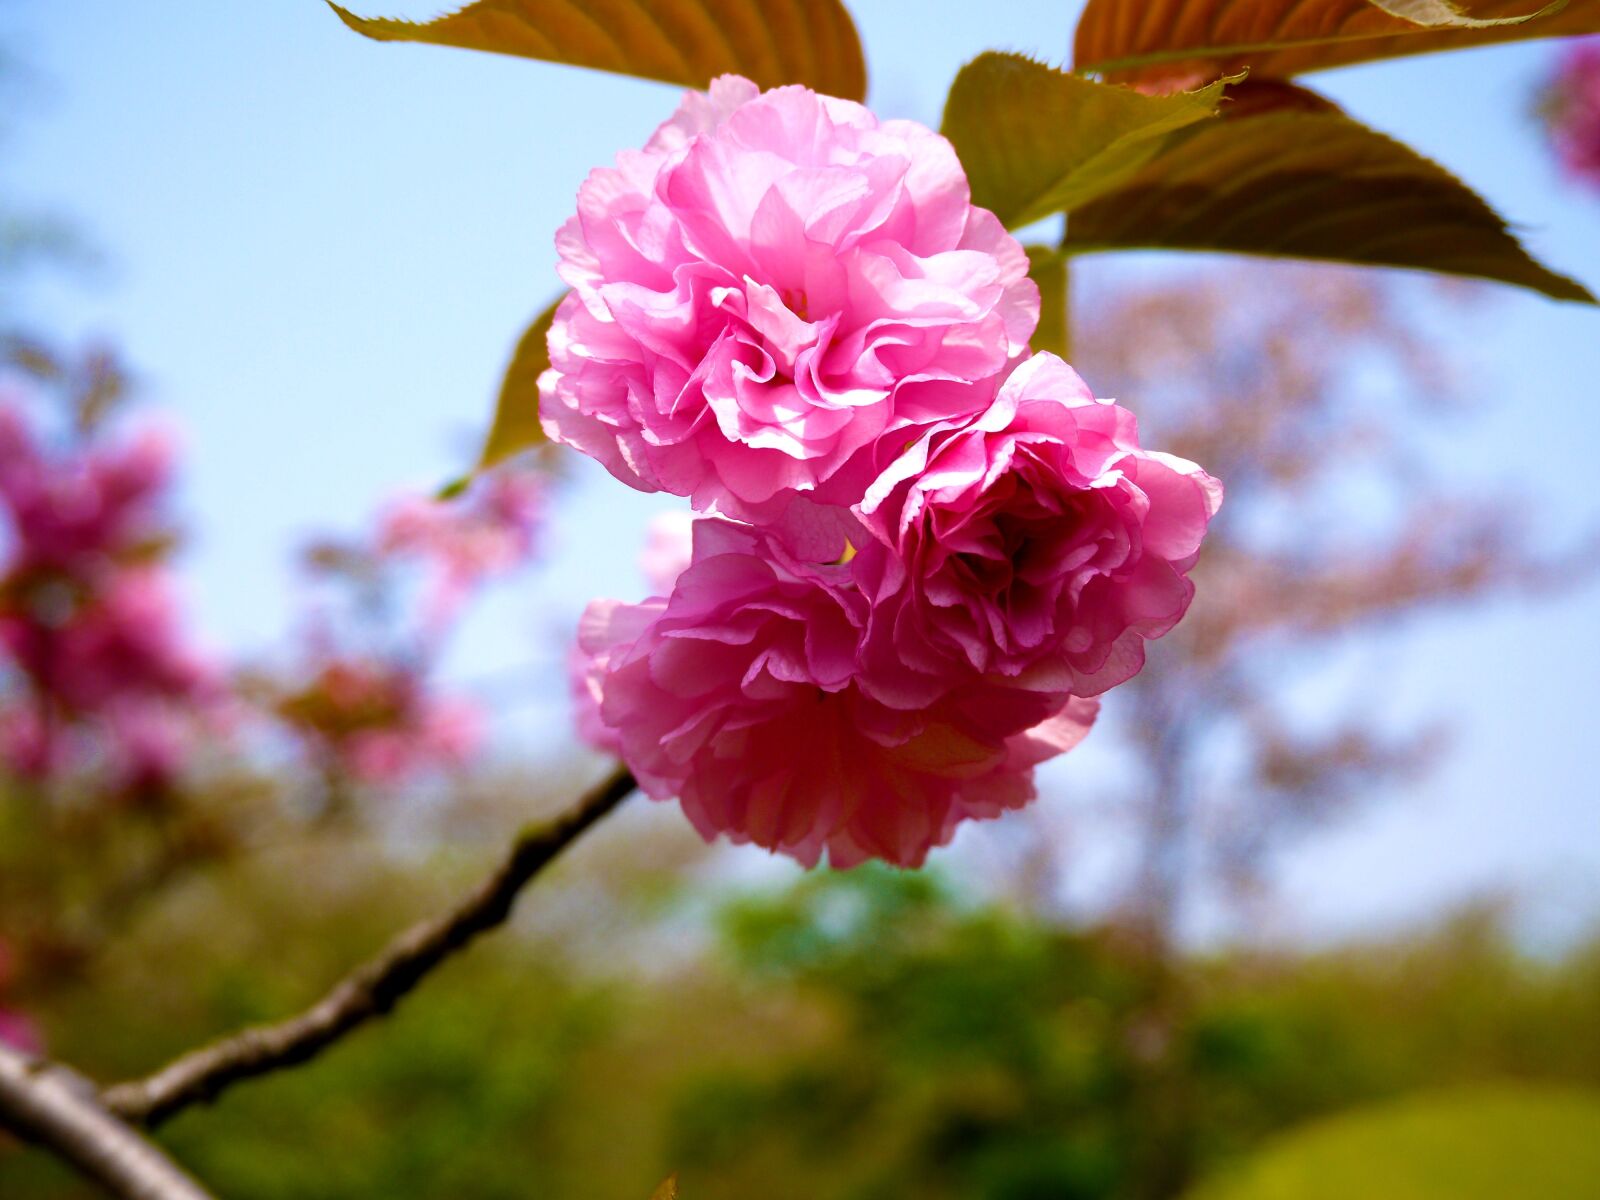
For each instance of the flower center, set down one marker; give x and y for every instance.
(796, 301)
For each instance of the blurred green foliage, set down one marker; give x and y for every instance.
(869, 1036)
(984, 1054)
(1480, 1144)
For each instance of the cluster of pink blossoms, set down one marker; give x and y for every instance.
(1571, 108)
(89, 626)
(925, 551)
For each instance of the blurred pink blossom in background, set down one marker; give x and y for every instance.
(106, 646)
(102, 676)
(463, 542)
(363, 702)
(376, 721)
(75, 512)
(1570, 106)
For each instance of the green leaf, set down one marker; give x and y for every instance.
(516, 425)
(679, 41)
(1478, 1144)
(1047, 267)
(1157, 41)
(1305, 184)
(1036, 141)
(516, 413)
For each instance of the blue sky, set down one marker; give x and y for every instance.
(319, 251)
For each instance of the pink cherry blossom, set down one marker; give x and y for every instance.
(773, 283)
(741, 695)
(1037, 541)
(669, 545)
(606, 628)
(928, 551)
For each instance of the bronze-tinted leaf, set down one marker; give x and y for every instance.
(1047, 267)
(1188, 41)
(1036, 141)
(679, 41)
(668, 1189)
(516, 412)
(1311, 185)
(1253, 97)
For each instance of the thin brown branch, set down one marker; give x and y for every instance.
(57, 1109)
(370, 990)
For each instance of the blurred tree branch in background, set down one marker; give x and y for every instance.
(1319, 386)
